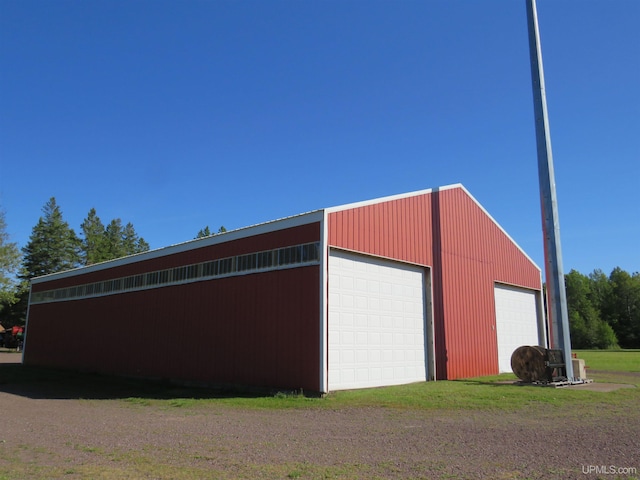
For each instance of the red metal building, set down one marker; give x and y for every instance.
(424, 285)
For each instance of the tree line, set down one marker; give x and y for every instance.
(55, 247)
(604, 311)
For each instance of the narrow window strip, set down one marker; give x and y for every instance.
(284, 257)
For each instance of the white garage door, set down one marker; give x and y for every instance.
(516, 322)
(376, 322)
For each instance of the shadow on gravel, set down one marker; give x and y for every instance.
(44, 383)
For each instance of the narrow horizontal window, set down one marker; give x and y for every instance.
(179, 274)
(163, 276)
(258, 261)
(209, 269)
(152, 278)
(310, 252)
(225, 266)
(194, 271)
(264, 259)
(246, 262)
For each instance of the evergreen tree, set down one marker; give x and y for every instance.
(94, 243)
(122, 241)
(9, 264)
(142, 245)
(107, 243)
(129, 239)
(114, 240)
(53, 246)
(132, 243)
(205, 232)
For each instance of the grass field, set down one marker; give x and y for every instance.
(611, 360)
(495, 392)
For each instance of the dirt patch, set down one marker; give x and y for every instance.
(601, 387)
(10, 356)
(79, 426)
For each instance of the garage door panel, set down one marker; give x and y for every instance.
(516, 322)
(376, 322)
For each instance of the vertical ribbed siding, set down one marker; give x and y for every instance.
(467, 251)
(398, 229)
(259, 329)
(465, 271)
(475, 254)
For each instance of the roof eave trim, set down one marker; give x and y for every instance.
(499, 226)
(244, 232)
(391, 198)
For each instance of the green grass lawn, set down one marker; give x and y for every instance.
(611, 360)
(495, 392)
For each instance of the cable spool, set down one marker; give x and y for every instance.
(529, 364)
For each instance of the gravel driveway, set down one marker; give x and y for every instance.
(61, 432)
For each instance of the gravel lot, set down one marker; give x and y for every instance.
(71, 430)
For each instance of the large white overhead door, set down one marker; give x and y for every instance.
(376, 323)
(516, 322)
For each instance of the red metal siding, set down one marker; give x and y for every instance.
(475, 254)
(467, 252)
(267, 241)
(399, 229)
(263, 329)
(260, 329)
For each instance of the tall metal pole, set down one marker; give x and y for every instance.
(556, 294)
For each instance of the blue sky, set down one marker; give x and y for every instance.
(174, 115)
